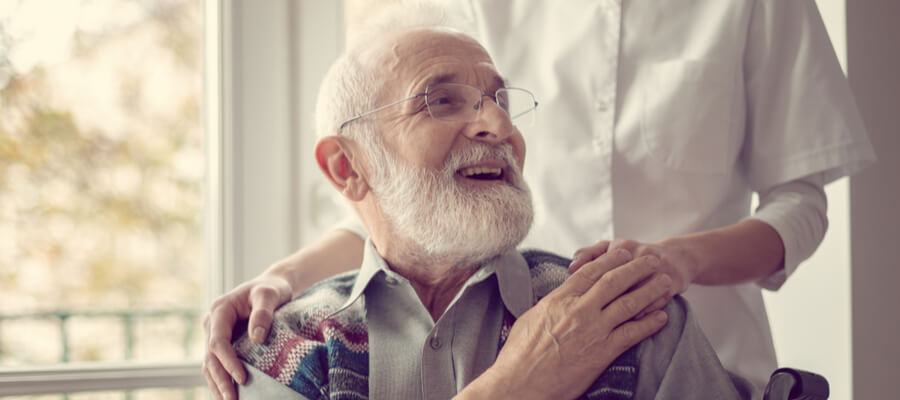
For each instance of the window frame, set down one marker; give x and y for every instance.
(75, 377)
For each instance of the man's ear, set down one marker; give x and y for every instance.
(335, 159)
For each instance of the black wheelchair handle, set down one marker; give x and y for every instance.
(804, 385)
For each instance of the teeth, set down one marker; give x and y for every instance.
(467, 172)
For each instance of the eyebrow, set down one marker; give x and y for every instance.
(499, 81)
(439, 79)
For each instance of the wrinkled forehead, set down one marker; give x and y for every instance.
(416, 57)
(436, 41)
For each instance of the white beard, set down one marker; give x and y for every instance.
(436, 220)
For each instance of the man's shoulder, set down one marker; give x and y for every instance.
(548, 270)
(321, 303)
(306, 330)
(678, 359)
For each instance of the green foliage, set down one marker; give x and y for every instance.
(100, 213)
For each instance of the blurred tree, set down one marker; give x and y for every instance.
(102, 163)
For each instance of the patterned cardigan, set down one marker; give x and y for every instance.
(325, 355)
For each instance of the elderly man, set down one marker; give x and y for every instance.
(419, 137)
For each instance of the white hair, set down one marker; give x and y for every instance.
(351, 88)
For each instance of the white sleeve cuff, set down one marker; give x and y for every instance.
(797, 210)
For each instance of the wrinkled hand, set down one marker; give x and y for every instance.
(558, 347)
(257, 300)
(676, 262)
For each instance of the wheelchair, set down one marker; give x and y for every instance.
(795, 384)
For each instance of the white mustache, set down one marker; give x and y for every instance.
(480, 152)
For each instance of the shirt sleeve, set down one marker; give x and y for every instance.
(679, 363)
(801, 118)
(797, 210)
(262, 386)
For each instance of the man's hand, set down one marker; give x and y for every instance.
(257, 300)
(558, 347)
(675, 261)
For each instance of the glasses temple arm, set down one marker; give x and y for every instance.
(373, 111)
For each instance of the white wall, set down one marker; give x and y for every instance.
(318, 40)
(873, 63)
(273, 198)
(810, 315)
(257, 180)
(840, 321)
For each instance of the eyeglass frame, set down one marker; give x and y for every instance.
(480, 103)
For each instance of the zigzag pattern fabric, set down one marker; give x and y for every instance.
(324, 356)
(316, 356)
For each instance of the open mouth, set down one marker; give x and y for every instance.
(482, 173)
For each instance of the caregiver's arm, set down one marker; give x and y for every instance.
(786, 229)
(788, 225)
(338, 251)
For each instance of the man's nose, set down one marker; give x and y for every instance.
(491, 123)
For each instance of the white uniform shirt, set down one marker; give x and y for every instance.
(660, 118)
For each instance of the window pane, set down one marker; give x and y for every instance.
(101, 180)
(142, 394)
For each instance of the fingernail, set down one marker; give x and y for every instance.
(577, 255)
(660, 316)
(574, 261)
(259, 334)
(665, 280)
(238, 377)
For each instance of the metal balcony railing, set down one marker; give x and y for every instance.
(128, 320)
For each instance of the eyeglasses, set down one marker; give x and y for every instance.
(461, 103)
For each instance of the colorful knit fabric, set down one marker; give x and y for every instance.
(318, 356)
(325, 356)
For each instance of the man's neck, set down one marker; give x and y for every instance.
(435, 284)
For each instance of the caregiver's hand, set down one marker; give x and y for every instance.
(255, 300)
(337, 251)
(677, 262)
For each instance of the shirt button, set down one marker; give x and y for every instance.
(435, 342)
(390, 280)
(601, 105)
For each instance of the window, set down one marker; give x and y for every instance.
(239, 177)
(102, 195)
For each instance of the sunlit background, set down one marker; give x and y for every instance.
(101, 182)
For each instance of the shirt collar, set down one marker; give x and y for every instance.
(371, 264)
(513, 278)
(514, 281)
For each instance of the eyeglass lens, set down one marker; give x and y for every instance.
(457, 102)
